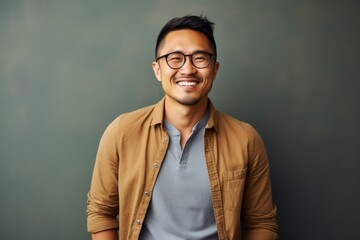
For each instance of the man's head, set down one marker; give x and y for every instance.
(197, 23)
(185, 62)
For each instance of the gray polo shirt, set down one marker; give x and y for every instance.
(181, 205)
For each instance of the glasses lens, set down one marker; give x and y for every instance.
(175, 60)
(200, 59)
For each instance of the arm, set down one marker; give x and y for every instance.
(103, 199)
(111, 234)
(259, 211)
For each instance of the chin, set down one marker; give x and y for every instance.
(188, 101)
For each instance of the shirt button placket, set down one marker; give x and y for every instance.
(165, 139)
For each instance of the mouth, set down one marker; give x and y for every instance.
(187, 82)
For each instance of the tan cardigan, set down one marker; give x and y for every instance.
(129, 159)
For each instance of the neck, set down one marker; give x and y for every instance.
(184, 117)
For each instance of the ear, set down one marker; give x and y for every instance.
(156, 69)
(216, 69)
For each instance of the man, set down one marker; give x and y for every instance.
(180, 169)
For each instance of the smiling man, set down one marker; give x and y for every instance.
(179, 169)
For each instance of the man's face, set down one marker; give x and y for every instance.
(188, 85)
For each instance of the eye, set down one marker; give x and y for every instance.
(200, 57)
(175, 57)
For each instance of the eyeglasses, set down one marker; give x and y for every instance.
(176, 60)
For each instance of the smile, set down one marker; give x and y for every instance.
(186, 83)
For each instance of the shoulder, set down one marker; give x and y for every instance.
(136, 117)
(127, 126)
(130, 121)
(240, 132)
(227, 121)
(230, 125)
(138, 114)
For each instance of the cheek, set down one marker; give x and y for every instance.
(209, 75)
(167, 74)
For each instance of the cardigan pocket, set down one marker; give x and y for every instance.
(233, 183)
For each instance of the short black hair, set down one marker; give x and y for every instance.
(197, 23)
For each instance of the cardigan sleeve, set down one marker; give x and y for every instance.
(103, 199)
(259, 211)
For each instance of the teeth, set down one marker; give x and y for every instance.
(187, 83)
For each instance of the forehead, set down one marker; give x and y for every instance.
(184, 40)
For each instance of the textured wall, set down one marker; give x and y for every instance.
(67, 68)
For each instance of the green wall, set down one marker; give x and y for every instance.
(67, 68)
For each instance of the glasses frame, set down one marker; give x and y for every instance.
(186, 55)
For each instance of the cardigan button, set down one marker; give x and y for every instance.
(138, 222)
(156, 165)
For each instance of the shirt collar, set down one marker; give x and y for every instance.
(197, 127)
(158, 114)
(213, 117)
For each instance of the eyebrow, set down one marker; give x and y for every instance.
(196, 51)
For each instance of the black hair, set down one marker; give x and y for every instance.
(197, 23)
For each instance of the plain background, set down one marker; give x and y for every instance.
(67, 68)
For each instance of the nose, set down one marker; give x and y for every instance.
(188, 66)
